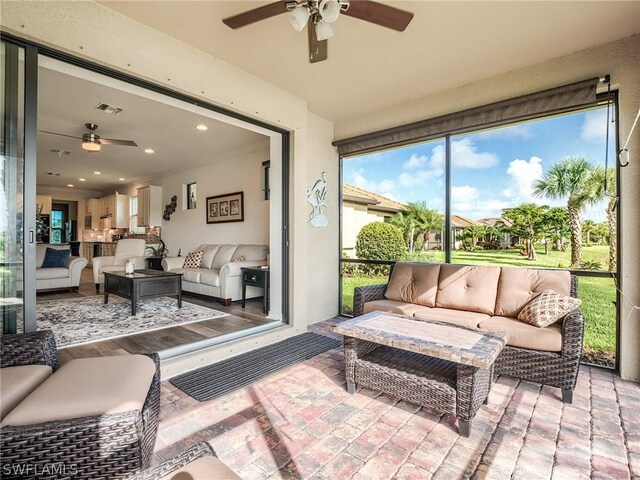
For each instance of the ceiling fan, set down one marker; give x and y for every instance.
(92, 142)
(319, 14)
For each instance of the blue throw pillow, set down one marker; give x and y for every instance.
(55, 258)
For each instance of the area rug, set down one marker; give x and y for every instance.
(218, 379)
(85, 320)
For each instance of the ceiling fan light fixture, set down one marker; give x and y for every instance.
(90, 146)
(298, 18)
(329, 10)
(323, 31)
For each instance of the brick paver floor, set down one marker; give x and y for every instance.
(301, 423)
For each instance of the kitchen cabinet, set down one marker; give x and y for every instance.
(43, 204)
(92, 207)
(150, 206)
(117, 207)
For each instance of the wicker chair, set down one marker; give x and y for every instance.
(106, 446)
(547, 368)
(196, 463)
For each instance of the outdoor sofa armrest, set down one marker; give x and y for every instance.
(367, 293)
(181, 460)
(572, 334)
(35, 348)
(233, 269)
(172, 263)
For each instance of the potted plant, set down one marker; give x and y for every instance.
(156, 253)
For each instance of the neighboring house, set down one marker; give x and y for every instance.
(505, 239)
(360, 207)
(458, 224)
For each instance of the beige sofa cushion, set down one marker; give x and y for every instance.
(210, 277)
(224, 255)
(468, 288)
(204, 468)
(208, 254)
(457, 317)
(251, 253)
(523, 335)
(518, 286)
(16, 383)
(391, 306)
(48, 273)
(87, 387)
(414, 283)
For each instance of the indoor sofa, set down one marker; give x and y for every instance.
(489, 298)
(58, 277)
(219, 274)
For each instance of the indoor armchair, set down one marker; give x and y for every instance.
(127, 250)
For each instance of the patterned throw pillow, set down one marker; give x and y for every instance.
(193, 260)
(239, 259)
(548, 308)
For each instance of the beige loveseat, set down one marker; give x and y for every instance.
(61, 277)
(219, 274)
(489, 298)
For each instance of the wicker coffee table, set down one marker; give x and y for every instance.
(443, 366)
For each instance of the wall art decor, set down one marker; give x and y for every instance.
(316, 197)
(225, 208)
(170, 209)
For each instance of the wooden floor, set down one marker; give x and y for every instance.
(167, 338)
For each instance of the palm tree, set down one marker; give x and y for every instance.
(588, 227)
(593, 193)
(569, 179)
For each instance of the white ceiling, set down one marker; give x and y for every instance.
(66, 102)
(448, 43)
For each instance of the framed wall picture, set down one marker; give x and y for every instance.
(225, 208)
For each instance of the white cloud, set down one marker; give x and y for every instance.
(464, 194)
(384, 187)
(464, 154)
(415, 161)
(480, 208)
(522, 175)
(594, 127)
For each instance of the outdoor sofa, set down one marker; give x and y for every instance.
(91, 418)
(489, 298)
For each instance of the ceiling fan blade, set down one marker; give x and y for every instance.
(317, 48)
(60, 134)
(111, 141)
(379, 14)
(255, 15)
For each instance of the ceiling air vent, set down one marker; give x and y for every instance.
(110, 109)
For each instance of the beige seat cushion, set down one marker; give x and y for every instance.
(204, 468)
(468, 288)
(47, 273)
(87, 387)
(458, 317)
(111, 268)
(391, 306)
(210, 277)
(16, 383)
(523, 335)
(414, 283)
(518, 286)
(193, 275)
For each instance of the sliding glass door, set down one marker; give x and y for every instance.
(17, 197)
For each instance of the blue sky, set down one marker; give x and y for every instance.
(491, 170)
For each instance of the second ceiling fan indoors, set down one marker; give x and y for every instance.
(318, 15)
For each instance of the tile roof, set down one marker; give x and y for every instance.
(360, 195)
(462, 222)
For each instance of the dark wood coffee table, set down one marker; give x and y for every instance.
(443, 366)
(143, 284)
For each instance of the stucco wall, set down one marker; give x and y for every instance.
(354, 217)
(620, 59)
(92, 31)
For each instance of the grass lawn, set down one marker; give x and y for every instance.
(597, 294)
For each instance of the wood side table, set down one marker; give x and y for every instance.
(256, 277)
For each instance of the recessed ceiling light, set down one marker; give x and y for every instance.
(69, 184)
(82, 179)
(97, 173)
(122, 179)
(149, 150)
(202, 127)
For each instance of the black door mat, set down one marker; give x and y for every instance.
(218, 379)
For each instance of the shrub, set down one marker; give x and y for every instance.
(379, 241)
(591, 265)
